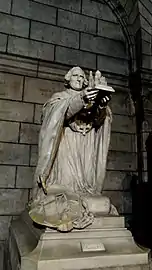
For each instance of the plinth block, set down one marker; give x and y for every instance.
(106, 243)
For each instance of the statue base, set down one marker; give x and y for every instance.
(105, 243)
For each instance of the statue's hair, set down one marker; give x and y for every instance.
(68, 77)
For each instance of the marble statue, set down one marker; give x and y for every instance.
(73, 147)
(81, 228)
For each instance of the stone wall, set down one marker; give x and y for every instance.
(39, 41)
(85, 34)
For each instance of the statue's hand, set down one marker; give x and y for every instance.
(89, 95)
(104, 100)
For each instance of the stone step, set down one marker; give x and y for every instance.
(91, 261)
(106, 222)
(96, 233)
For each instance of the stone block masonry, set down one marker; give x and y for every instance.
(5, 6)
(30, 48)
(3, 42)
(34, 11)
(13, 25)
(16, 111)
(68, 33)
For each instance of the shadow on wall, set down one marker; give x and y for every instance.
(141, 225)
(127, 200)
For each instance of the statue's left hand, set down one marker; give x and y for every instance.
(104, 100)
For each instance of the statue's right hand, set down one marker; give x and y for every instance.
(89, 94)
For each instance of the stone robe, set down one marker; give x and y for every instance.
(73, 147)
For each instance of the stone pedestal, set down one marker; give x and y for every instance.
(106, 243)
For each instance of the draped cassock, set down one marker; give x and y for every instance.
(73, 148)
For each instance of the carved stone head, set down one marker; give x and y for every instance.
(76, 79)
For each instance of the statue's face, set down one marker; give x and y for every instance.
(77, 79)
